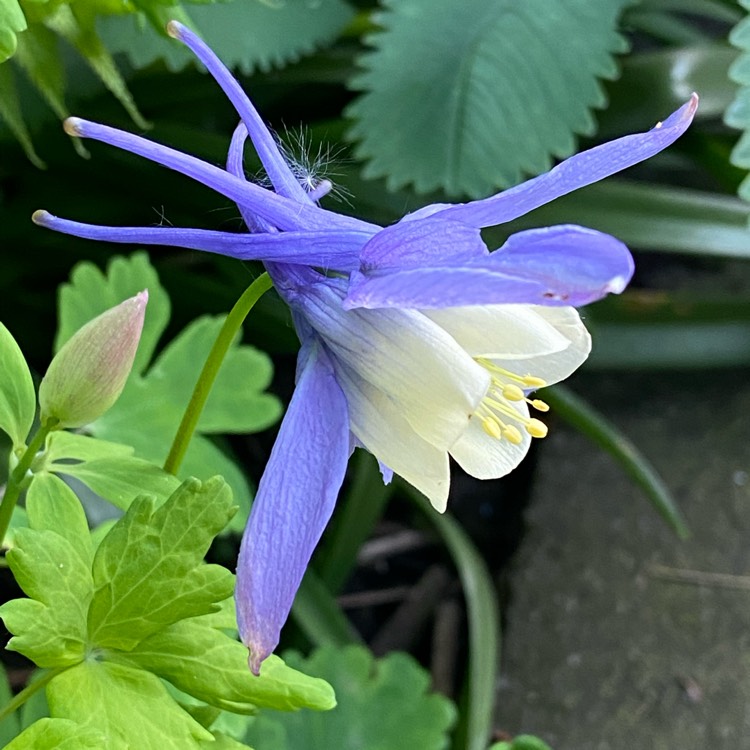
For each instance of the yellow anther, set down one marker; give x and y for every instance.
(492, 427)
(536, 428)
(513, 392)
(539, 405)
(533, 382)
(512, 434)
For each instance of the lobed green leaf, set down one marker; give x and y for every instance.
(12, 21)
(130, 707)
(212, 666)
(17, 395)
(52, 505)
(738, 112)
(502, 87)
(57, 734)
(121, 479)
(50, 626)
(248, 35)
(63, 445)
(148, 571)
(382, 705)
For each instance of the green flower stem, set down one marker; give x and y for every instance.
(16, 479)
(33, 687)
(211, 368)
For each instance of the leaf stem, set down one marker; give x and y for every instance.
(33, 687)
(211, 368)
(15, 481)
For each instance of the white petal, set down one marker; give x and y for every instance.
(500, 331)
(382, 430)
(435, 385)
(485, 457)
(555, 366)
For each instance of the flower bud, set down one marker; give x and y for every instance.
(88, 374)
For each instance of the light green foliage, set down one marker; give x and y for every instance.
(108, 469)
(522, 742)
(383, 705)
(11, 22)
(148, 570)
(116, 624)
(246, 34)
(206, 663)
(52, 505)
(738, 113)
(469, 96)
(17, 397)
(50, 626)
(57, 734)
(157, 395)
(130, 707)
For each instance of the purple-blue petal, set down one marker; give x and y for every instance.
(331, 249)
(574, 173)
(561, 265)
(295, 499)
(414, 244)
(282, 178)
(279, 211)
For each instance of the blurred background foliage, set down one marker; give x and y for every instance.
(401, 103)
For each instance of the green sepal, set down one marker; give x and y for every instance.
(130, 707)
(148, 571)
(52, 505)
(120, 479)
(17, 396)
(49, 627)
(58, 734)
(212, 666)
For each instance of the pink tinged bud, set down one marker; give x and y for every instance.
(88, 374)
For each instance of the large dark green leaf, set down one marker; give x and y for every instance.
(471, 96)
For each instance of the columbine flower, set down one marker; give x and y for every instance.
(421, 344)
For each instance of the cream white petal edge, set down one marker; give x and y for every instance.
(485, 457)
(379, 426)
(500, 331)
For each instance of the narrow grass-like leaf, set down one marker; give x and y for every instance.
(319, 617)
(649, 217)
(357, 513)
(470, 96)
(588, 421)
(477, 709)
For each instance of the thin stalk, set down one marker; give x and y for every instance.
(33, 687)
(211, 368)
(15, 484)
